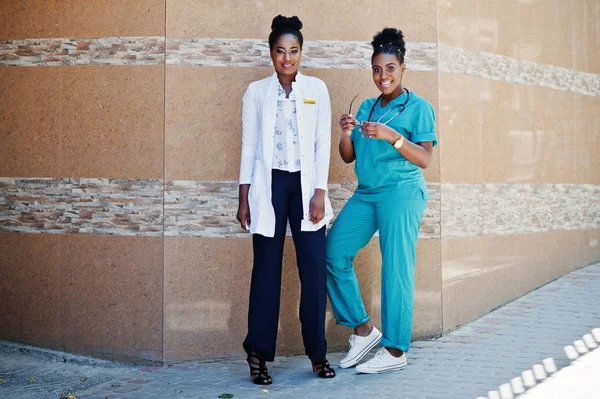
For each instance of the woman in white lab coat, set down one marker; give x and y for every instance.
(283, 176)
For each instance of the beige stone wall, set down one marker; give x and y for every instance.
(519, 137)
(81, 175)
(120, 139)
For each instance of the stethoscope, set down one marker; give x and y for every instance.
(402, 108)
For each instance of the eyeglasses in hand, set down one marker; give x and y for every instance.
(356, 121)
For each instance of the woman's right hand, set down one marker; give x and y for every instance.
(243, 213)
(347, 123)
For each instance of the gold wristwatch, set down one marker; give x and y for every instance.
(398, 143)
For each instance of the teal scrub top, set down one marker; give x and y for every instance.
(379, 166)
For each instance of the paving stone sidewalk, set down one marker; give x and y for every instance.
(500, 355)
(473, 361)
(36, 373)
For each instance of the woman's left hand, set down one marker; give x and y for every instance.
(374, 130)
(316, 209)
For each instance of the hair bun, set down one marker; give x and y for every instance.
(280, 23)
(389, 36)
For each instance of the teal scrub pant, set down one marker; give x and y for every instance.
(397, 215)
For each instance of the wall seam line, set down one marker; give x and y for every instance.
(63, 344)
(440, 149)
(164, 258)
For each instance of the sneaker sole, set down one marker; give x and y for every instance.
(381, 370)
(362, 353)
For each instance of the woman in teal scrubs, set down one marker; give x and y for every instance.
(391, 141)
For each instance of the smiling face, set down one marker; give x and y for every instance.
(286, 54)
(387, 74)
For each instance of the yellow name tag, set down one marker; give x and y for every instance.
(309, 100)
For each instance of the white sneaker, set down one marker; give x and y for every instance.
(382, 361)
(359, 347)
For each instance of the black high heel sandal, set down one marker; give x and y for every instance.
(323, 369)
(259, 374)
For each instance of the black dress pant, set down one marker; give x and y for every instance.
(265, 289)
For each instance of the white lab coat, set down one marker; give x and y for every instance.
(313, 112)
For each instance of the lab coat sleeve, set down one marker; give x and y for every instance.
(250, 127)
(323, 139)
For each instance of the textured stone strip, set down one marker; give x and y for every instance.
(208, 209)
(201, 209)
(512, 70)
(103, 51)
(72, 206)
(338, 54)
(517, 208)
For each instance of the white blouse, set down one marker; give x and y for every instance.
(286, 147)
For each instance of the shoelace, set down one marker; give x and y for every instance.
(351, 341)
(380, 353)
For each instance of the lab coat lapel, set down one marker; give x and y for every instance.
(268, 125)
(298, 87)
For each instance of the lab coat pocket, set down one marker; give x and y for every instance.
(257, 180)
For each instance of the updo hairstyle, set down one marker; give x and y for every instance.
(285, 26)
(389, 41)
